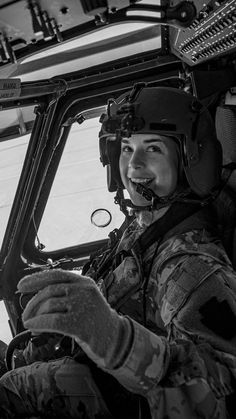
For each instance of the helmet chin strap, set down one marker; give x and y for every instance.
(158, 202)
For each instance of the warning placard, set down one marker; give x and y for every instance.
(10, 88)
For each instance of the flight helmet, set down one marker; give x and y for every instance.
(165, 111)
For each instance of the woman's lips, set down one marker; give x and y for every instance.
(141, 181)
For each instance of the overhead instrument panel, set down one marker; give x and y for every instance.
(212, 33)
(27, 25)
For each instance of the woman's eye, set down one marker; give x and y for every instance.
(126, 149)
(154, 148)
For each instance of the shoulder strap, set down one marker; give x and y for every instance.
(174, 216)
(227, 171)
(225, 210)
(104, 256)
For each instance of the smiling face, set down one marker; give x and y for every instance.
(149, 159)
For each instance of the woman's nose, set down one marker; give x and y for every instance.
(136, 160)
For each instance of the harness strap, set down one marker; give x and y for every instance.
(175, 215)
(227, 171)
(107, 253)
(177, 212)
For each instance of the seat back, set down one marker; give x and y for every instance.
(225, 204)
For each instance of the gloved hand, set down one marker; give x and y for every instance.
(72, 305)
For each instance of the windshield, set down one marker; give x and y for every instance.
(11, 162)
(15, 128)
(79, 209)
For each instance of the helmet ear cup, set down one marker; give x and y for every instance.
(208, 167)
(113, 171)
(204, 175)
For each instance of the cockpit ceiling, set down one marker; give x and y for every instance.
(41, 39)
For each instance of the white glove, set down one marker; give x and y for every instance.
(72, 305)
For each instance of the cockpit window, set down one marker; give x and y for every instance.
(15, 128)
(109, 43)
(79, 209)
(12, 157)
(16, 122)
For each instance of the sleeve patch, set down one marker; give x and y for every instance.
(219, 317)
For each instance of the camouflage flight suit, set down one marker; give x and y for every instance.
(183, 361)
